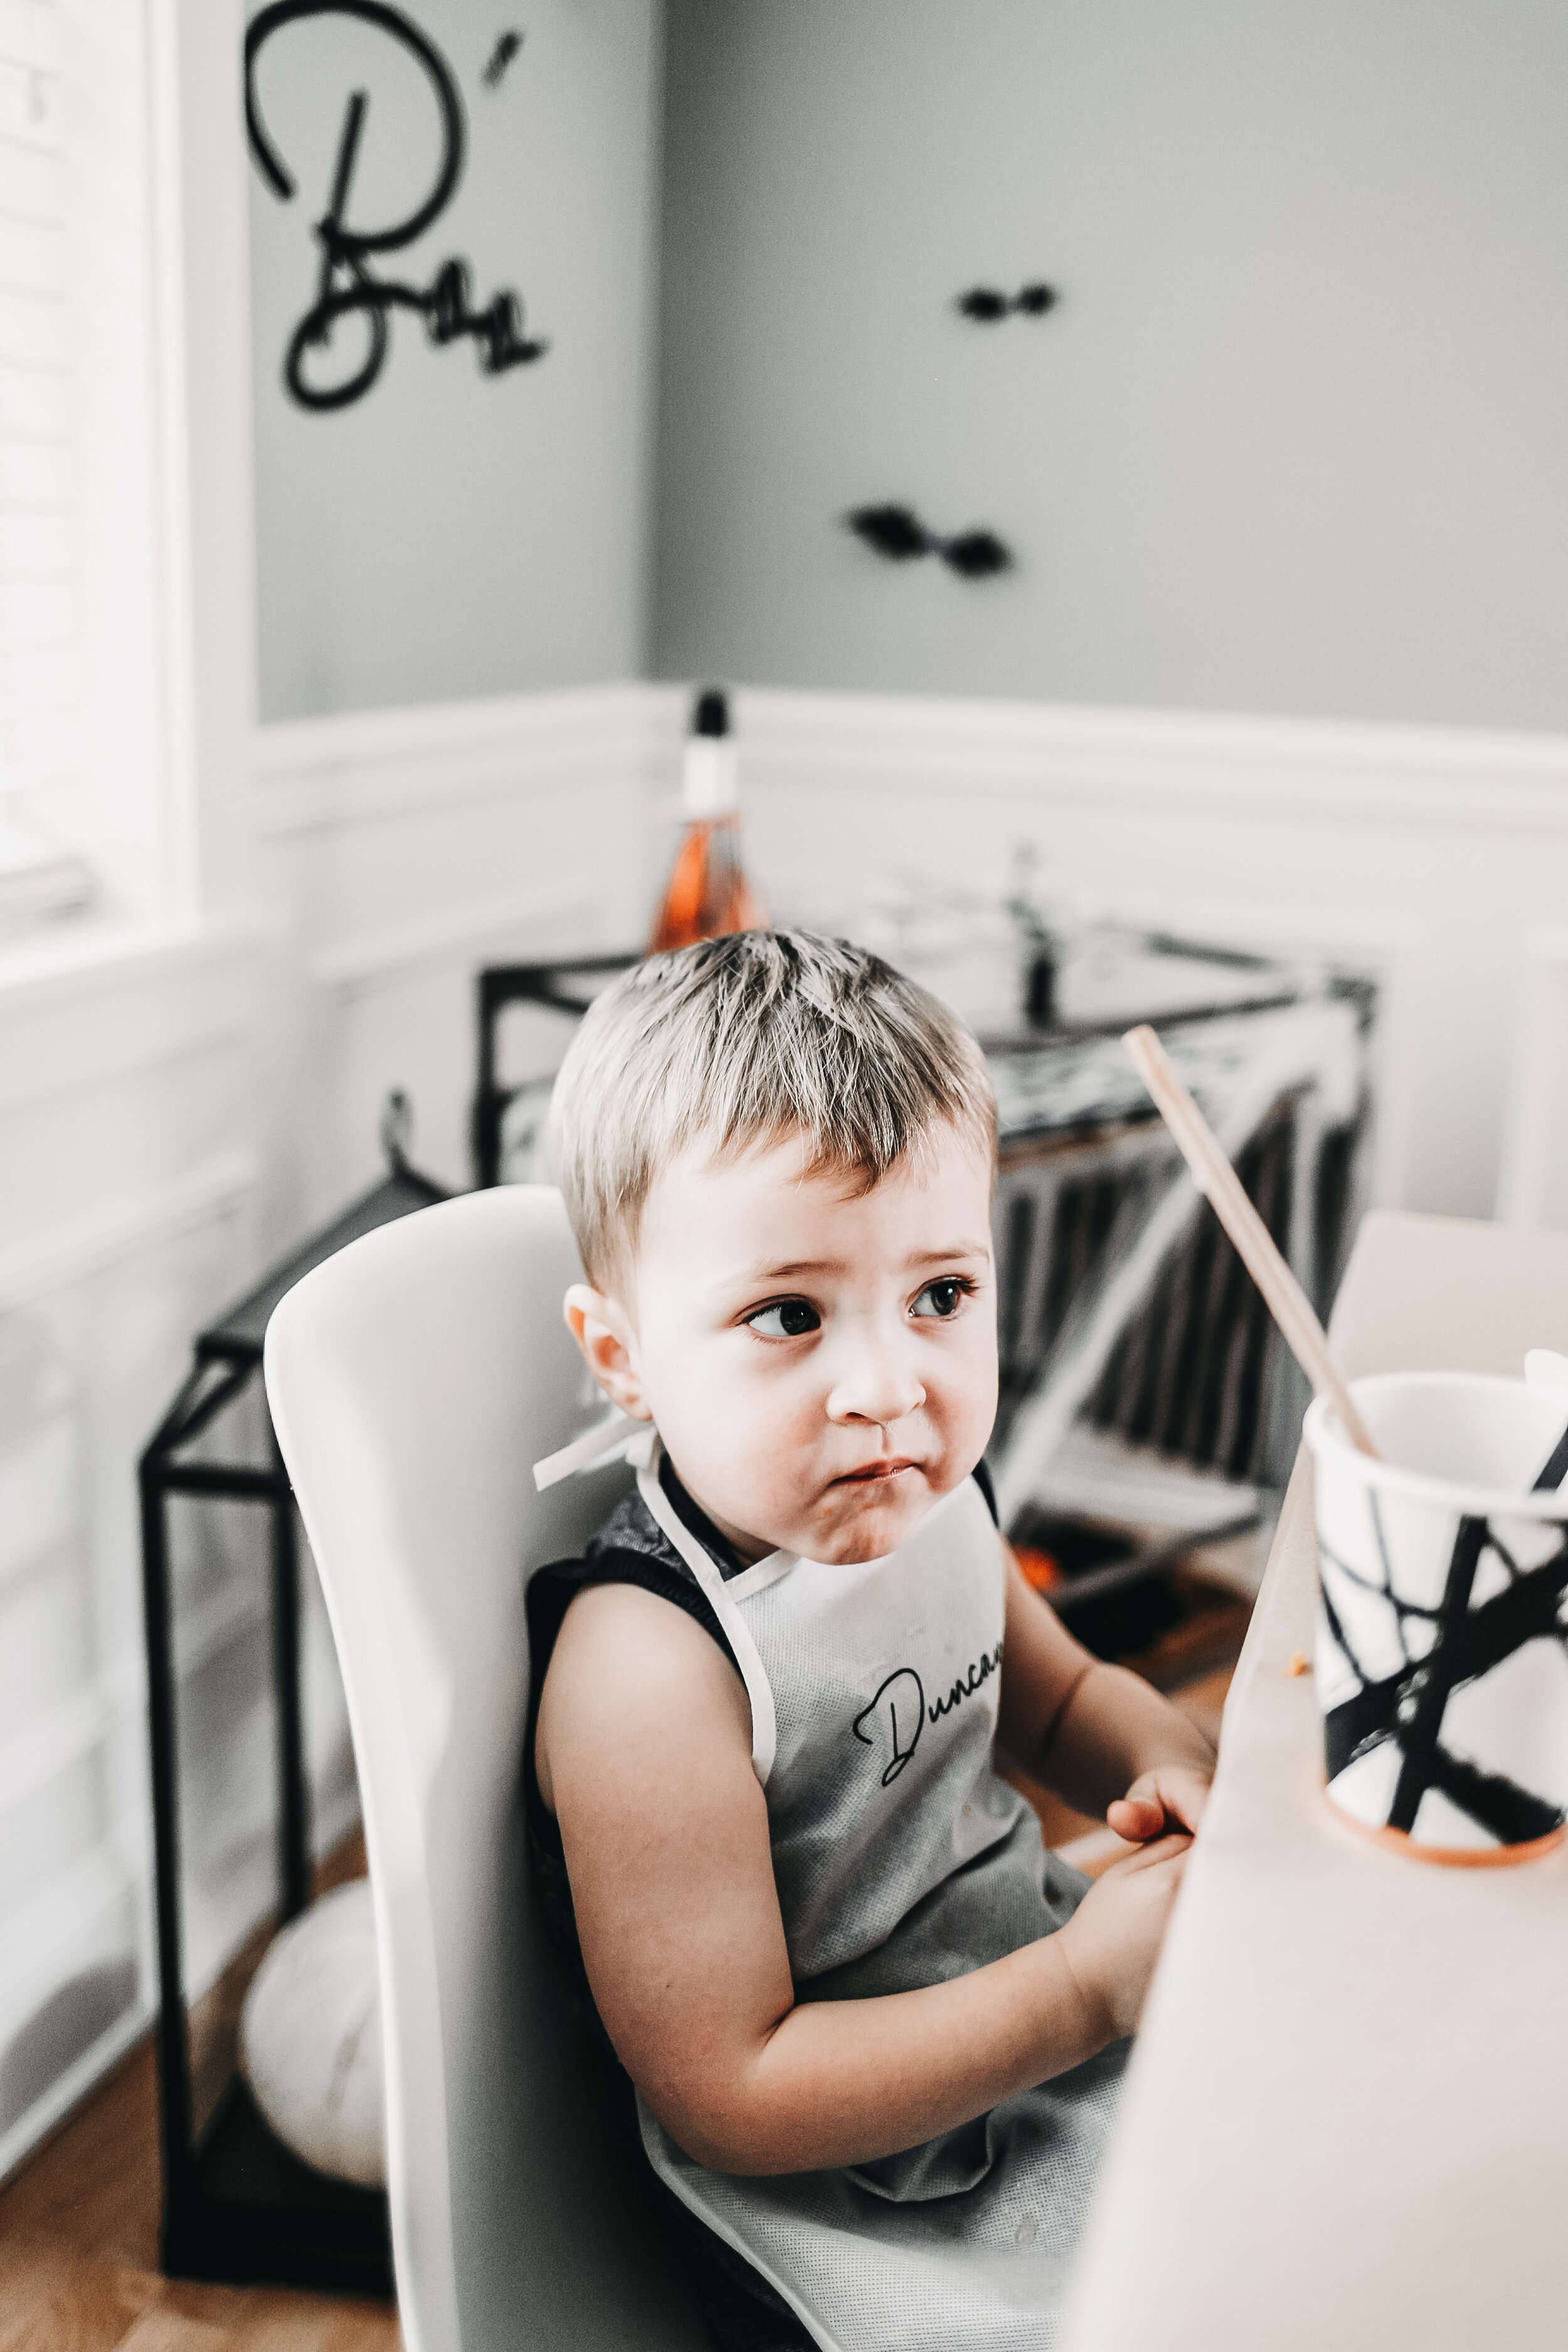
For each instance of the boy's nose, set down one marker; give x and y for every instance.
(876, 1386)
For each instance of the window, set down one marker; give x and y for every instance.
(39, 676)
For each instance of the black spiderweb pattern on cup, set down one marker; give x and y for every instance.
(1467, 1643)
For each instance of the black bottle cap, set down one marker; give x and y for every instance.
(711, 716)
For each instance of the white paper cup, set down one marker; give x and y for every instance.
(1442, 1652)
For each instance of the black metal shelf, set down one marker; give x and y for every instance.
(238, 2205)
(254, 2212)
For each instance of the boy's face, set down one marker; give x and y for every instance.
(820, 1362)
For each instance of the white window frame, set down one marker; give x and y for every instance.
(39, 644)
(151, 831)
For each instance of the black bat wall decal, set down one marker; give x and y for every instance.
(900, 535)
(347, 286)
(987, 307)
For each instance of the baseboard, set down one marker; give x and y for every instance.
(85, 2074)
(80, 2079)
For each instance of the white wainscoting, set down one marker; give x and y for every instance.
(1428, 854)
(177, 1110)
(128, 1195)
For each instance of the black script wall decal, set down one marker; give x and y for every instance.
(501, 56)
(347, 287)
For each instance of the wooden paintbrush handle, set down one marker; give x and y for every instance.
(1259, 1253)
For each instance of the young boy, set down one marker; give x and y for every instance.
(875, 2030)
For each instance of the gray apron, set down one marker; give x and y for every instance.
(901, 1860)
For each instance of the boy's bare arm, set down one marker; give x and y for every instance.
(1097, 1734)
(644, 1755)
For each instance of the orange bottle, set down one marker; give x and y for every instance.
(708, 893)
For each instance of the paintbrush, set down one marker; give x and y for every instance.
(1255, 1245)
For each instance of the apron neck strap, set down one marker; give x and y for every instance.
(617, 1438)
(721, 1600)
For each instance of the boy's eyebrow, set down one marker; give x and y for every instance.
(800, 1266)
(837, 1265)
(941, 1256)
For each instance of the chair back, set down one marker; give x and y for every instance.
(414, 1380)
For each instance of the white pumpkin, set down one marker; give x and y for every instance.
(310, 2038)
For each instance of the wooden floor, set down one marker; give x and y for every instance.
(78, 2253)
(78, 2224)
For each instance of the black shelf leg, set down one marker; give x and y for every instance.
(293, 1800)
(174, 2051)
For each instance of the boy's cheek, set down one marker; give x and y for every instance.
(966, 1405)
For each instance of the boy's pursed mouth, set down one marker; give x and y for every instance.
(875, 1472)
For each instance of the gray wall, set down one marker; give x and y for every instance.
(1297, 438)
(451, 534)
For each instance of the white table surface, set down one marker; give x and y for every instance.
(1346, 2120)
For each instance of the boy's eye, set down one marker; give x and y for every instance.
(939, 1298)
(788, 1319)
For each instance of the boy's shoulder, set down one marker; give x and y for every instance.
(629, 1548)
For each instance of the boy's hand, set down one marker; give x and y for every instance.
(1171, 1796)
(1113, 1938)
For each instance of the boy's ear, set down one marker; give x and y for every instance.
(603, 1331)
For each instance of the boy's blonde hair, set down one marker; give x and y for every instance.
(741, 1039)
